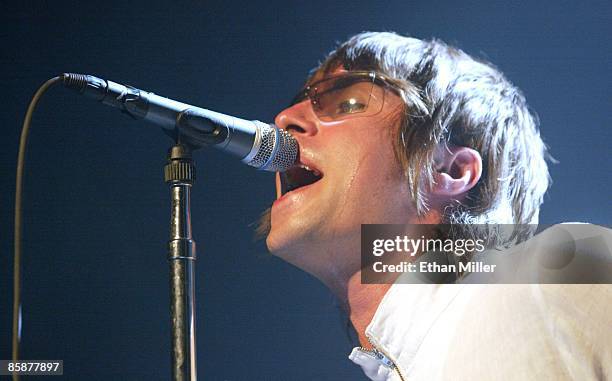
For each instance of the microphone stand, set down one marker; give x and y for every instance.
(179, 174)
(258, 144)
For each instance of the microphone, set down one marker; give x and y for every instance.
(263, 146)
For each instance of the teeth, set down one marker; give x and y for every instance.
(316, 173)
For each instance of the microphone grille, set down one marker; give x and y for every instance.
(278, 150)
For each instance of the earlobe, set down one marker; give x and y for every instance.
(458, 170)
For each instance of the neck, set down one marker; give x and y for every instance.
(362, 302)
(359, 300)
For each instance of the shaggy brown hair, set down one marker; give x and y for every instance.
(455, 99)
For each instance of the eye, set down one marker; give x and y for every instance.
(350, 106)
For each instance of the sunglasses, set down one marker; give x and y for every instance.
(357, 93)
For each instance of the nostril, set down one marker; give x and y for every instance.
(295, 128)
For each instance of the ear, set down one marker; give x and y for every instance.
(458, 169)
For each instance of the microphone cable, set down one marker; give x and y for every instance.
(25, 129)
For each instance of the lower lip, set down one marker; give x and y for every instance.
(290, 196)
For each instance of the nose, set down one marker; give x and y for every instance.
(298, 119)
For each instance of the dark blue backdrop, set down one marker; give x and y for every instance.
(96, 209)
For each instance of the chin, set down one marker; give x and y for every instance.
(283, 243)
(273, 243)
(295, 249)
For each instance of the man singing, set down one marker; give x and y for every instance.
(397, 130)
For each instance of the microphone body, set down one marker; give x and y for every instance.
(263, 146)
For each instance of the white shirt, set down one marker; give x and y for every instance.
(490, 332)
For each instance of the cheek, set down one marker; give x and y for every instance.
(378, 177)
(374, 156)
(372, 173)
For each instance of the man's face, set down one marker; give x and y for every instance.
(358, 181)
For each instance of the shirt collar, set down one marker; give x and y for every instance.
(404, 317)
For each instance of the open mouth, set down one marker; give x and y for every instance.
(297, 177)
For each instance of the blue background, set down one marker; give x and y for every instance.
(95, 277)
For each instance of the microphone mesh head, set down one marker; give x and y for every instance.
(278, 150)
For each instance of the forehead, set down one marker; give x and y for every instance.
(321, 73)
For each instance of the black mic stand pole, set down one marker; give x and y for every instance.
(179, 174)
